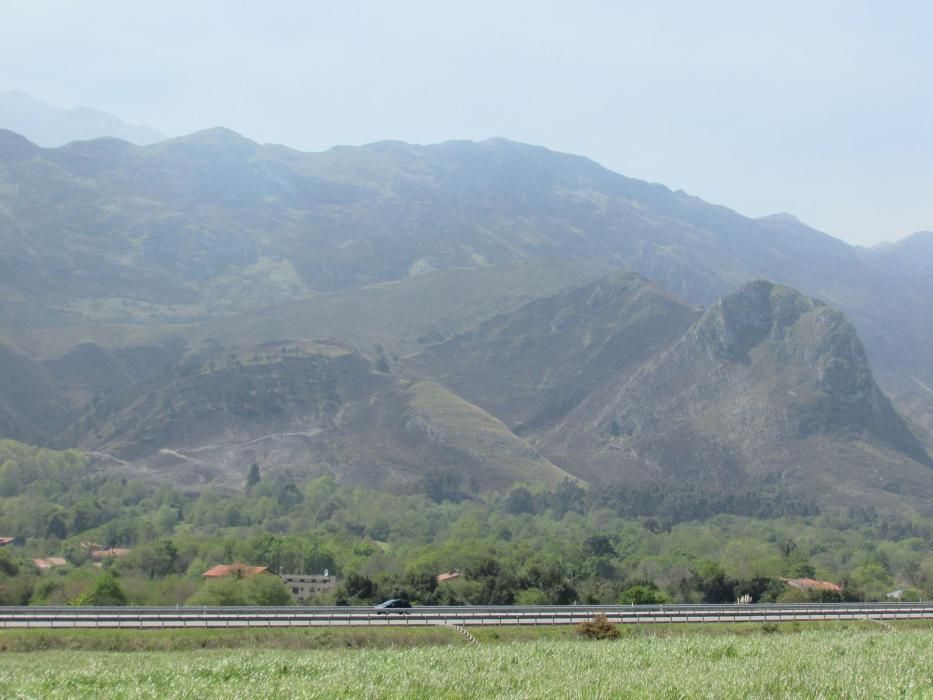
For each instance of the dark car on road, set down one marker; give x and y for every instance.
(393, 605)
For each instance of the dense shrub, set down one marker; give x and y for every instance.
(105, 590)
(643, 594)
(598, 628)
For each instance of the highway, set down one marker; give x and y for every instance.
(466, 616)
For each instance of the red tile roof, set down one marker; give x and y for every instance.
(237, 569)
(811, 584)
(6, 540)
(49, 562)
(447, 576)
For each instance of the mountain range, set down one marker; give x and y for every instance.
(465, 314)
(51, 126)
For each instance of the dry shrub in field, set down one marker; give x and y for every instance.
(598, 628)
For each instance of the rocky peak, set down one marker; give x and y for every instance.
(742, 320)
(803, 359)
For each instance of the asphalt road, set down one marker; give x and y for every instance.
(158, 618)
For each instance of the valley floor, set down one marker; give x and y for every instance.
(851, 662)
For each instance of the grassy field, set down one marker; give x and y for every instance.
(852, 663)
(317, 638)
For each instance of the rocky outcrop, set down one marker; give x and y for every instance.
(767, 383)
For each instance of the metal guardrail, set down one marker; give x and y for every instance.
(182, 617)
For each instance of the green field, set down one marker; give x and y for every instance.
(852, 663)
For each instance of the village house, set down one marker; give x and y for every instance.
(49, 563)
(448, 576)
(306, 586)
(809, 584)
(237, 570)
(303, 587)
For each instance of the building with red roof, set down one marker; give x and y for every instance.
(237, 569)
(49, 563)
(809, 584)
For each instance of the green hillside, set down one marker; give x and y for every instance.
(533, 366)
(300, 409)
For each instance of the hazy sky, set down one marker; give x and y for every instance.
(822, 109)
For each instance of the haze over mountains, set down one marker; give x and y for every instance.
(453, 314)
(48, 125)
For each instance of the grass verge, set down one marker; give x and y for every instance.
(22, 640)
(244, 638)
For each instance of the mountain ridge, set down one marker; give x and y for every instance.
(199, 238)
(300, 409)
(53, 126)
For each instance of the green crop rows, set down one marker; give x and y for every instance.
(827, 664)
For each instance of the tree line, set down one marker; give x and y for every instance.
(526, 545)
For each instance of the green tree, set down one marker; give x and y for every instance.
(532, 596)
(442, 484)
(643, 594)
(85, 514)
(8, 567)
(267, 589)
(16, 591)
(105, 590)
(253, 477)
(599, 546)
(259, 589)
(159, 558)
(520, 500)
(56, 526)
(712, 582)
(360, 587)
(223, 592)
